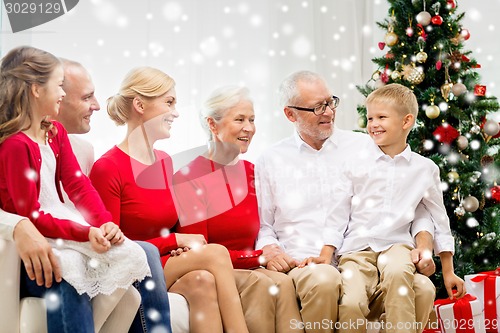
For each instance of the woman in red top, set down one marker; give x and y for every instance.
(134, 182)
(216, 198)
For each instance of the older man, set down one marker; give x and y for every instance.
(295, 179)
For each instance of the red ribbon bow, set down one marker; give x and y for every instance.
(461, 310)
(490, 293)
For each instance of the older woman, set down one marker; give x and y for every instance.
(133, 180)
(216, 198)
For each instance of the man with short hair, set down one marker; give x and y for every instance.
(295, 179)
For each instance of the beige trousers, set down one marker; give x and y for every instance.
(268, 300)
(376, 281)
(318, 289)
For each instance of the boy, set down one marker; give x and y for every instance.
(371, 216)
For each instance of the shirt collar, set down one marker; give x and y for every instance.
(406, 153)
(334, 138)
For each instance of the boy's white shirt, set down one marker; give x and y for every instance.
(377, 198)
(84, 152)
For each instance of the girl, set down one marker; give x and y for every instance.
(35, 158)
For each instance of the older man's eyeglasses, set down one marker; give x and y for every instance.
(332, 103)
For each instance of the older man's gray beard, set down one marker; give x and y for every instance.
(311, 131)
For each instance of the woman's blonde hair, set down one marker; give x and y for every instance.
(19, 70)
(144, 82)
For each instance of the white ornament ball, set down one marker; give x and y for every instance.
(462, 142)
(475, 129)
(458, 89)
(424, 18)
(491, 127)
(471, 204)
(432, 111)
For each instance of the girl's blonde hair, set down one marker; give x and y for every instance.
(144, 82)
(19, 70)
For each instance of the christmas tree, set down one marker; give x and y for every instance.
(425, 51)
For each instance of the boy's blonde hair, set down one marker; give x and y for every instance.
(399, 97)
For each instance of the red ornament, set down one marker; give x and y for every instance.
(437, 20)
(389, 55)
(381, 45)
(439, 64)
(421, 31)
(446, 133)
(465, 34)
(451, 3)
(495, 193)
(479, 90)
(384, 77)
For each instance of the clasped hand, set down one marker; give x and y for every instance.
(102, 238)
(188, 242)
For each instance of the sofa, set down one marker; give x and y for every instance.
(28, 315)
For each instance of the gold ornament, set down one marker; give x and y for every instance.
(445, 90)
(421, 57)
(395, 75)
(453, 176)
(412, 74)
(362, 122)
(391, 38)
(446, 87)
(432, 111)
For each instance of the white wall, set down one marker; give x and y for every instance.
(204, 44)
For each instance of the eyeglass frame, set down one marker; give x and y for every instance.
(323, 106)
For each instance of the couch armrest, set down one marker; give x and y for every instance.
(9, 286)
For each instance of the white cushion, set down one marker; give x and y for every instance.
(179, 313)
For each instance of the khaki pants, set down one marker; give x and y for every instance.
(318, 289)
(385, 280)
(268, 300)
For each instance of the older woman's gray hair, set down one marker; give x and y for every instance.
(288, 92)
(219, 102)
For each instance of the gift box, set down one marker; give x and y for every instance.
(463, 315)
(486, 287)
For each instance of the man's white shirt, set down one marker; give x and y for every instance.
(294, 185)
